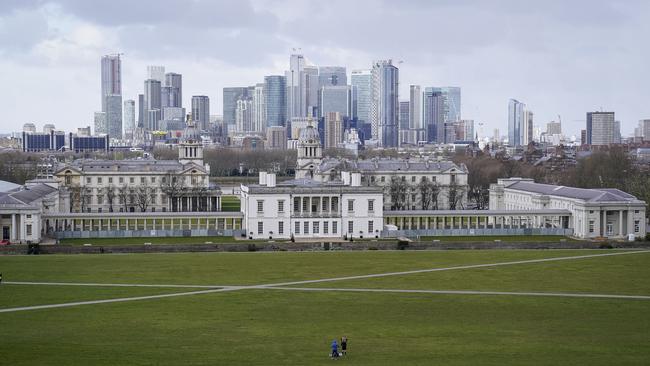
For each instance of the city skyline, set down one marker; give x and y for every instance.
(569, 68)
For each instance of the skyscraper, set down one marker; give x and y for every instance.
(230, 97)
(129, 118)
(527, 130)
(100, 123)
(554, 128)
(404, 115)
(141, 111)
(415, 112)
(111, 79)
(174, 82)
(333, 130)
(156, 73)
(201, 111)
(332, 76)
(336, 98)
(274, 100)
(516, 118)
(302, 87)
(259, 120)
(385, 106)
(152, 104)
(602, 128)
(244, 115)
(361, 81)
(434, 115)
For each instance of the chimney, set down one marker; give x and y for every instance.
(355, 179)
(262, 181)
(270, 180)
(345, 177)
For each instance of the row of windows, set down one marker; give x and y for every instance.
(314, 206)
(610, 227)
(132, 180)
(413, 179)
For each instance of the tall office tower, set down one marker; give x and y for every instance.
(332, 76)
(230, 97)
(333, 130)
(311, 86)
(467, 130)
(259, 121)
(152, 104)
(244, 115)
(527, 128)
(100, 123)
(361, 81)
(275, 104)
(302, 87)
(201, 111)
(111, 79)
(617, 132)
(156, 73)
(452, 102)
(601, 128)
(129, 118)
(336, 98)
(644, 129)
(385, 106)
(164, 96)
(141, 111)
(415, 112)
(434, 115)
(174, 82)
(554, 128)
(516, 120)
(404, 115)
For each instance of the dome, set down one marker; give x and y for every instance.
(309, 135)
(191, 133)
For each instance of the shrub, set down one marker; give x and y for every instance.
(252, 248)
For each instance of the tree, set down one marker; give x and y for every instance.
(110, 197)
(143, 196)
(455, 196)
(398, 190)
(75, 197)
(429, 191)
(124, 193)
(173, 185)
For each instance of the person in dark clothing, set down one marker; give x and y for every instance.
(335, 349)
(344, 345)
(0, 277)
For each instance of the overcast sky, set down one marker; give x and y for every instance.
(559, 57)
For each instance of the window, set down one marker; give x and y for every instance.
(121, 180)
(28, 228)
(131, 180)
(304, 204)
(350, 227)
(110, 180)
(153, 209)
(100, 200)
(121, 209)
(296, 204)
(164, 180)
(350, 205)
(260, 227)
(88, 180)
(324, 204)
(142, 180)
(610, 229)
(28, 216)
(413, 179)
(433, 179)
(372, 179)
(260, 206)
(305, 227)
(636, 211)
(591, 211)
(99, 180)
(99, 209)
(371, 205)
(153, 179)
(326, 227)
(280, 205)
(316, 227)
(453, 178)
(281, 227)
(334, 227)
(383, 179)
(297, 227)
(371, 227)
(636, 226)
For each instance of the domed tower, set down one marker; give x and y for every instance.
(190, 147)
(310, 152)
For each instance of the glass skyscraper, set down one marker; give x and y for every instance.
(230, 97)
(275, 104)
(385, 106)
(112, 94)
(361, 81)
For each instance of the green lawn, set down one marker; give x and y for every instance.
(506, 238)
(230, 203)
(281, 327)
(152, 240)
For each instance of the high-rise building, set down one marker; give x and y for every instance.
(333, 130)
(527, 128)
(554, 128)
(174, 82)
(332, 76)
(100, 123)
(259, 121)
(111, 79)
(152, 104)
(404, 115)
(644, 129)
(201, 111)
(516, 118)
(361, 81)
(434, 115)
(244, 115)
(276, 137)
(129, 118)
(156, 73)
(336, 98)
(141, 111)
(302, 87)
(230, 97)
(275, 105)
(415, 112)
(385, 106)
(602, 128)
(467, 128)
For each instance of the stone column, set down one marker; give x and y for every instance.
(620, 223)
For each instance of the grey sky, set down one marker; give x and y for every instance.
(559, 57)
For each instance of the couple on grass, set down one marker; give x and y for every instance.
(335, 348)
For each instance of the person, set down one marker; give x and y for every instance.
(0, 277)
(344, 345)
(335, 349)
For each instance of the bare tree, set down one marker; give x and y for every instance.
(75, 197)
(143, 196)
(110, 197)
(124, 193)
(173, 185)
(429, 191)
(455, 196)
(398, 190)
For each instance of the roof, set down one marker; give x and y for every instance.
(24, 196)
(560, 212)
(6, 186)
(128, 166)
(390, 165)
(585, 194)
(306, 186)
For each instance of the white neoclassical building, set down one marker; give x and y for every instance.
(21, 208)
(602, 212)
(142, 185)
(304, 208)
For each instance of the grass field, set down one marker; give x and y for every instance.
(230, 203)
(533, 314)
(506, 238)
